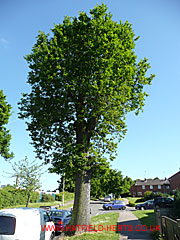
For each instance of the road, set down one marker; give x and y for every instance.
(97, 209)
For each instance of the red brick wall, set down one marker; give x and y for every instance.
(175, 181)
(135, 189)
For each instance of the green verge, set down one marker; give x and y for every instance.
(102, 221)
(146, 217)
(69, 206)
(37, 205)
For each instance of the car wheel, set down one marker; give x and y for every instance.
(109, 208)
(142, 208)
(123, 208)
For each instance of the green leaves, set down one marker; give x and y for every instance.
(5, 136)
(29, 174)
(84, 78)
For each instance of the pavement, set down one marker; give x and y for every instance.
(130, 227)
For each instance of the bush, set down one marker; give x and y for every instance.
(177, 203)
(47, 198)
(158, 195)
(35, 197)
(10, 196)
(68, 196)
(131, 204)
(148, 195)
(58, 197)
(139, 200)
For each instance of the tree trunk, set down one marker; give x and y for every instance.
(28, 199)
(81, 209)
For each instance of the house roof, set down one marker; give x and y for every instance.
(151, 182)
(174, 175)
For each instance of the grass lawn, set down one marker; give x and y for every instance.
(37, 205)
(146, 217)
(69, 206)
(99, 221)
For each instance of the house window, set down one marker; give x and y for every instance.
(139, 194)
(143, 187)
(159, 186)
(151, 186)
(167, 187)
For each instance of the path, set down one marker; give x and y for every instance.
(129, 226)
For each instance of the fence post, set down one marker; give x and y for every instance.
(158, 218)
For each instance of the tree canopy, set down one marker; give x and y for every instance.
(84, 79)
(5, 136)
(28, 174)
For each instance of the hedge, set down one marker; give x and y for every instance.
(10, 196)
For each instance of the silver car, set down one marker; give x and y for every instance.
(107, 199)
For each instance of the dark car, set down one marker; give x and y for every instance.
(146, 205)
(60, 218)
(164, 202)
(116, 204)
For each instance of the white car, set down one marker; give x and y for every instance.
(107, 199)
(25, 224)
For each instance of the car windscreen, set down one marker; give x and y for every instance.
(56, 213)
(7, 225)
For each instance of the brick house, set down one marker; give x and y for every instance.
(175, 181)
(154, 185)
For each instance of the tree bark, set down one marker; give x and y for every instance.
(81, 209)
(28, 199)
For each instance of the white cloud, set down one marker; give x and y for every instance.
(3, 42)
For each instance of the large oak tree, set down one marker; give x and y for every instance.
(84, 79)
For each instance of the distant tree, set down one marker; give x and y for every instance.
(29, 176)
(85, 78)
(5, 136)
(126, 185)
(156, 178)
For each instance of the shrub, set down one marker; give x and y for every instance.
(58, 197)
(68, 196)
(131, 204)
(10, 196)
(177, 203)
(47, 198)
(158, 195)
(148, 195)
(139, 200)
(35, 197)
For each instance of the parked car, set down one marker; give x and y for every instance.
(47, 208)
(146, 205)
(60, 218)
(164, 202)
(25, 223)
(116, 204)
(107, 199)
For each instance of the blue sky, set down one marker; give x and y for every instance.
(151, 147)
